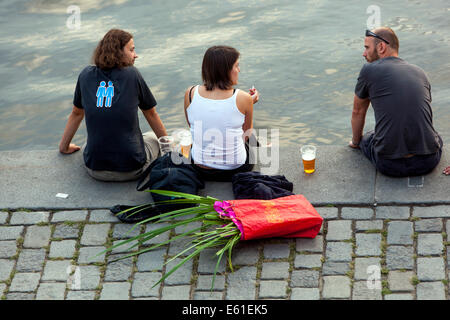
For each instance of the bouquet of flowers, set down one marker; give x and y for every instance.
(225, 223)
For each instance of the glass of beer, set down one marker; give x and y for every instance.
(185, 143)
(309, 158)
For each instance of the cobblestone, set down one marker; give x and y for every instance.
(339, 230)
(119, 270)
(272, 289)
(6, 267)
(308, 261)
(428, 225)
(328, 213)
(80, 295)
(432, 212)
(276, 250)
(62, 249)
(336, 287)
(91, 255)
(400, 232)
(339, 251)
(400, 281)
(362, 292)
(305, 294)
(204, 282)
(143, 284)
(430, 244)
(66, 231)
(176, 292)
(431, 291)
(305, 279)
(357, 213)
(102, 216)
(37, 236)
(7, 249)
(3, 217)
(366, 225)
(241, 284)
(89, 278)
(45, 256)
(26, 218)
(398, 257)
(430, 269)
(115, 291)
(94, 234)
(25, 282)
(57, 270)
(10, 233)
(392, 213)
(275, 270)
(309, 245)
(368, 244)
(31, 260)
(64, 216)
(363, 267)
(51, 291)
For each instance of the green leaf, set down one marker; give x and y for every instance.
(192, 255)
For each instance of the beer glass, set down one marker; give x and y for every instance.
(309, 158)
(185, 143)
(166, 144)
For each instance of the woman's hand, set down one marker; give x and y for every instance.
(255, 94)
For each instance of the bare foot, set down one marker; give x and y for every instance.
(447, 171)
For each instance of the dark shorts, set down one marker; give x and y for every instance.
(403, 167)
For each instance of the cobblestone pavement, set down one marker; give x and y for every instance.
(383, 253)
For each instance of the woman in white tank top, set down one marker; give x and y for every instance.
(220, 117)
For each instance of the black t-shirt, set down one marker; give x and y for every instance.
(400, 94)
(110, 99)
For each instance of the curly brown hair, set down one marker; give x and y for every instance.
(109, 52)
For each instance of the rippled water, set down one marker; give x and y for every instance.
(303, 57)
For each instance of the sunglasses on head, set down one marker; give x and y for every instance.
(371, 34)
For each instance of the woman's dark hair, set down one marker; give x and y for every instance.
(217, 64)
(109, 52)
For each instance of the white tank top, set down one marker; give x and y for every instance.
(216, 129)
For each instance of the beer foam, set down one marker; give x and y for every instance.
(308, 156)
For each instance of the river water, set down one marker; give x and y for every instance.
(303, 56)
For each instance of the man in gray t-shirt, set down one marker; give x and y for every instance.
(404, 142)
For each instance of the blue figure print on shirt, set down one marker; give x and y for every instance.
(101, 93)
(109, 94)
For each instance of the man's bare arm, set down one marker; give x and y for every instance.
(360, 107)
(155, 122)
(73, 123)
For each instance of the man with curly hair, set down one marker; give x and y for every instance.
(116, 149)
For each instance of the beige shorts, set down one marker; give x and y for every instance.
(152, 151)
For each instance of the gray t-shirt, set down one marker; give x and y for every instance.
(400, 94)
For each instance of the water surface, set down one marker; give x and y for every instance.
(303, 56)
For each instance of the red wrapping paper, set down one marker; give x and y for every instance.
(286, 217)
